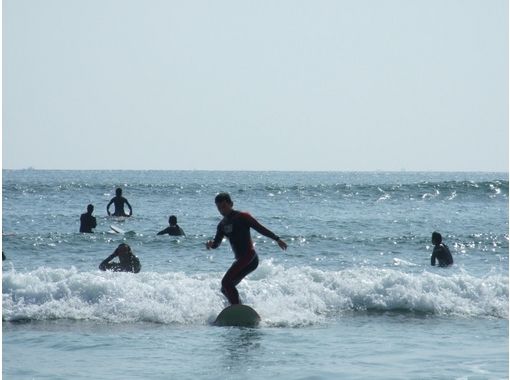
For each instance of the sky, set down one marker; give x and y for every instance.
(343, 85)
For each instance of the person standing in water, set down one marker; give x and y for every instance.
(441, 252)
(87, 221)
(236, 225)
(119, 201)
(173, 229)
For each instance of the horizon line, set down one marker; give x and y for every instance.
(30, 168)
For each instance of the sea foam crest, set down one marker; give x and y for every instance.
(308, 295)
(283, 296)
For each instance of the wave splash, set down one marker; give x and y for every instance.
(289, 297)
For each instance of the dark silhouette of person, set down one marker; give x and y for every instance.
(173, 229)
(119, 201)
(128, 262)
(236, 225)
(441, 252)
(87, 221)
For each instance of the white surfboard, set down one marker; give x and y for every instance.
(117, 229)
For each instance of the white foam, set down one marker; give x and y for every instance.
(283, 296)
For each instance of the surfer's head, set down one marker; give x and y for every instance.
(436, 238)
(118, 192)
(224, 203)
(90, 208)
(172, 220)
(122, 249)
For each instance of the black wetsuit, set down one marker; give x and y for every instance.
(443, 255)
(87, 222)
(172, 231)
(118, 202)
(128, 263)
(236, 227)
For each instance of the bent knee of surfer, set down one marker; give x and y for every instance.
(235, 274)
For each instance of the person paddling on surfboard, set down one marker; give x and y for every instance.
(119, 201)
(173, 229)
(236, 225)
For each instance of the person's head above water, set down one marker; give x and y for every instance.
(436, 238)
(127, 260)
(122, 249)
(172, 220)
(224, 203)
(118, 192)
(90, 208)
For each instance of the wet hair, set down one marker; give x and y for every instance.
(90, 208)
(172, 220)
(223, 197)
(436, 237)
(122, 245)
(118, 191)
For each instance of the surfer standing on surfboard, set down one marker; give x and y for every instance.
(118, 201)
(236, 225)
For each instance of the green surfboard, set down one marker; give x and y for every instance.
(238, 315)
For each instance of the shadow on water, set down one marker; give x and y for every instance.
(241, 348)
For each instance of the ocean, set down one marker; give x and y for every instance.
(353, 297)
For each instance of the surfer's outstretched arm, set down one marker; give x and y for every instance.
(253, 223)
(163, 232)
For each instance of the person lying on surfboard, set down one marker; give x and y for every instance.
(128, 262)
(119, 201)
(236, 225)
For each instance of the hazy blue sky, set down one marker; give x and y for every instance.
(256, 85)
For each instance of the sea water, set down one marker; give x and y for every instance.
(353, 297)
